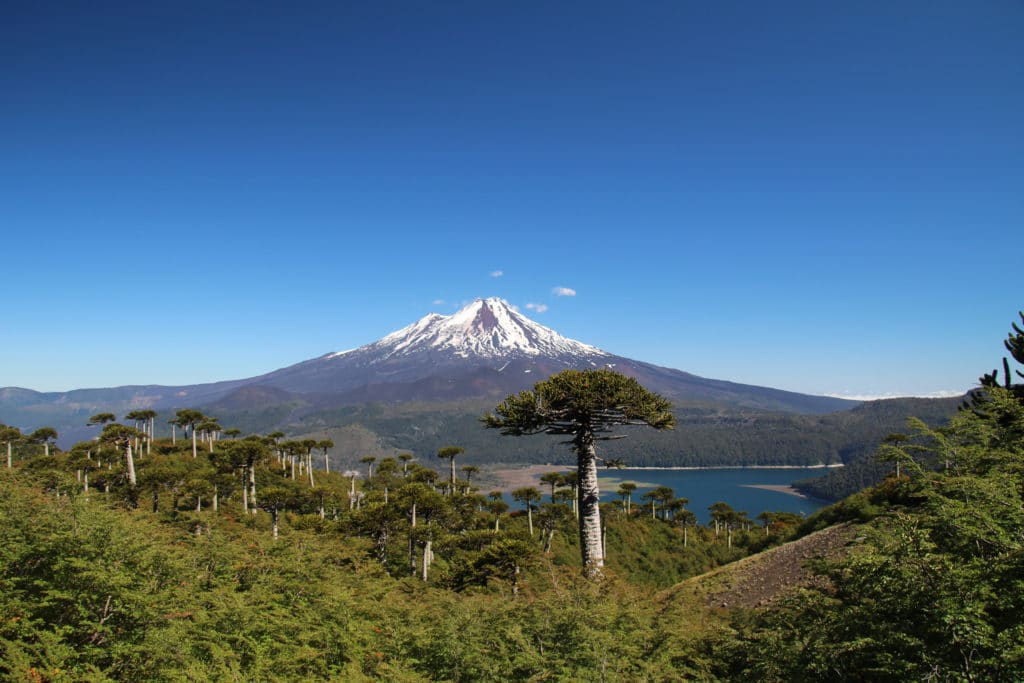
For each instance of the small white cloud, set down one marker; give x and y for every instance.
(497, 273)
(539, 308)
(563, 291)
(438, 302)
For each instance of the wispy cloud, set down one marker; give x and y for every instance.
(947, 393)
(563, 291)
(438, 302)
(539, 308)
(497, 273)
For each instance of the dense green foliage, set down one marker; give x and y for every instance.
(239, 561)
(936, 589)
(149, 582)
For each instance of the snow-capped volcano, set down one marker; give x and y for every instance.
(489, 349)
(486, 328)
(484, 351)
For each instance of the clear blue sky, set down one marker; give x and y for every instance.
(817, 196)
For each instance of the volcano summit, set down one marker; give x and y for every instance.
(483, 351)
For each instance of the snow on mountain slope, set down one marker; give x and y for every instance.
(485, 329)
(486, 350)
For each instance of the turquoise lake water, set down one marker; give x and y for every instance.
(706, 486)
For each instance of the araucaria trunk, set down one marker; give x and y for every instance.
(588, 497)
(130, 463)
(426, 559)
(252, 487)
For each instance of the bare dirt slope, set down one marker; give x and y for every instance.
(760, 580)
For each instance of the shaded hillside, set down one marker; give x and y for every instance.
(706, 435)
(884, 418)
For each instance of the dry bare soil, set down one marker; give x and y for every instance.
(760, 580)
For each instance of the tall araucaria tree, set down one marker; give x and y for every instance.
(188, 419)
(100, 419)
(449, 453)
(44, 435)
(585, 405)
(8, 436)
(209, 428)
(324, 446)
(149, 427)
(121, 437)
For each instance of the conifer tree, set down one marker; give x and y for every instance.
(584, 405)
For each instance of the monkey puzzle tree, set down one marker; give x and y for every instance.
(243, 456)
(405, 458)
(469, 471)
(659, 494)
(209, 428)
(121, 436)
(307, 449)
(1014, 343)
(324, 446)
(449, 453)
(188, 419)
(625, 492)
(143, 421)
(44, 435)
(554, 480)
(100, 419)
(282, 494)
(10, 435)
(528, 495)
(368, 461)
(585, 405)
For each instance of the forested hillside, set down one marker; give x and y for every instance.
(705, 435)
(243, 563)
(184, 576)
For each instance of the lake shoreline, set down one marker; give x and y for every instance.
(529, 475)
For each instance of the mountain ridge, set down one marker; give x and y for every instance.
(486, 350)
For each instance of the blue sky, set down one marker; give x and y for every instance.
(815, 196)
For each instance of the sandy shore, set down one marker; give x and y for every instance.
(781, 488)
(518, 477)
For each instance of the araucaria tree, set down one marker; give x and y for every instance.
(121, 436)
(585, 405)
(449, 453)
(188, 419)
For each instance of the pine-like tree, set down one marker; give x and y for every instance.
(584, 405)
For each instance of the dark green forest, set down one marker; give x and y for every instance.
(706, 436)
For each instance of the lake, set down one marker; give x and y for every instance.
(706, 486)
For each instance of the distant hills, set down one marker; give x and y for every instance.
(425, 386)
(477, 355)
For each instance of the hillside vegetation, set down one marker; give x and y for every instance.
(132, 558)
(706, 435)
(105, 586)
(195, 572)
